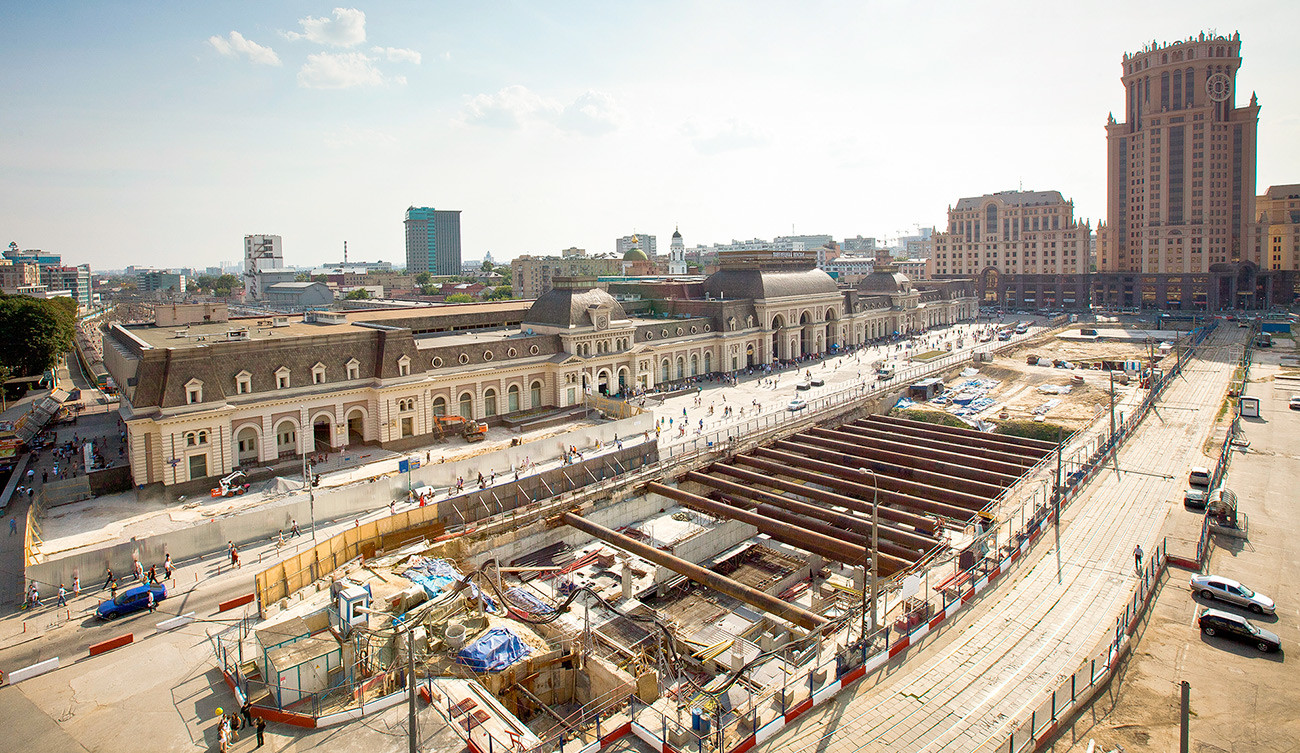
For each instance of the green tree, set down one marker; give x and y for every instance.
(225, 285)
(302, 277)
(459, 298)
(503, 292)
(360, 294)
(423, 279)
(486, 266)
(34, 332)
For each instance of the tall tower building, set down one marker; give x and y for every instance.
(677, 255)
(432, 241)
(1181, 167)
(262, 254)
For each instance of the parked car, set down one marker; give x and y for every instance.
(1199, 476)
(1294, 402)
(1230, 591)
(1235, 627)
(1194, 497)
(797, 404)
(130, 600)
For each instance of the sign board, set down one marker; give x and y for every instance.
(408, 465)
(911, 586)
(1248, 407)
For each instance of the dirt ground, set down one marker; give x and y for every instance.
(1018, 393)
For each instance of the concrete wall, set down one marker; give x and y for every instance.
(262, 523)
(707, 544)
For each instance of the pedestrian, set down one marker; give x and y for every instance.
(139, 570)
(392, 507)
(223, 736)
(112, 588)
(167, 566)
(246, 710)
(63, 596)
(234, 557)
(153, 574)
(76, 585)
(1137, 557)
(293, 528)
(45, 476)
(13, 526)
(109, 579)
(149, 602)
(261, 729)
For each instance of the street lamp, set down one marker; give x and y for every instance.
(875, 544)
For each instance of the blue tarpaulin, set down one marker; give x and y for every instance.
(496, 650)
(435, 576)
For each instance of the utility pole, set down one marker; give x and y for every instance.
(1114, 452)
(1060, 443)
(1184, 725)
(413, 737)
(871, 557)
(311, 494)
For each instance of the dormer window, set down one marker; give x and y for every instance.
(404, 366)
(318, 373)
(193, 392)
(282, 378)
(354, 369)
(243, 383)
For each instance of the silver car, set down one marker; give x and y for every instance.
(1229, 591)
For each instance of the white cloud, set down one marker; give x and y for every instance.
(397, 54)
(593, 113)
(516, 107)
(726, 136)
(237, 46)
(512, 107)
(339, 70)
(345, 29)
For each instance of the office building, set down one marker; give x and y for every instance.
(531, 276)
(263, 254)
(433, 241)
(1277, 229)
(160, 281)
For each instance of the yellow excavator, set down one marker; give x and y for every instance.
(472, 431)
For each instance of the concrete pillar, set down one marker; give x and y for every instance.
(627, 581)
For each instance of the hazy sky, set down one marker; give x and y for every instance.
(160, 133)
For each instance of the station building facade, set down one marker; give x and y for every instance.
(201, 399)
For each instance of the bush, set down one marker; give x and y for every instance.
(1034, 430)
(932, 417)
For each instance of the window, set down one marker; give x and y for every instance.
(354, 369)
(282, 378)
(318, 374)
(535, 395)
(243, 383)
(467, 405)
(489, 402)
(440, 406)
(193, 392)
(404, 366)
(512, 398)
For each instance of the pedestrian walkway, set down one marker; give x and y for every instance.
(978, 677)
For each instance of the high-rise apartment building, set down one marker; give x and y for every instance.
(1181, 166)
(432, 241)
(531, 276)
(1012, 232)
(646, 243)
(1277, 229)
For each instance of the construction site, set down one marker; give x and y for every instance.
(697, 610)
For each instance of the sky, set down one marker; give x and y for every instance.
(159, 134)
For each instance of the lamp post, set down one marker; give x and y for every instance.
(871, 555)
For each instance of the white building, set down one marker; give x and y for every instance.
(677, 255)
(262, 254)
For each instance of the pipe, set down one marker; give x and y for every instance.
(720, 583)
(1042, 447)
(941, 444)
(897, 476)
(882, 439)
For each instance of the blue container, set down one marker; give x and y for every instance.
(699, 722)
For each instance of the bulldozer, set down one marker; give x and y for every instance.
(472, 431)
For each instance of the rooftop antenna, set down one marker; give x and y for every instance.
(1022, 185)
(345, 253)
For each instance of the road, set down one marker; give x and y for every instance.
(978, 676)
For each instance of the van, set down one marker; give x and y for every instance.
(1199, 477)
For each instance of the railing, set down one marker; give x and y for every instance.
(1070, 696)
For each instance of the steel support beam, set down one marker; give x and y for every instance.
(854, 490)
(1011, 444)
(836, 463)
(904, 456)
(720, 583)
(827, 547)
(847, 521)
(890, 442)
(942, 443)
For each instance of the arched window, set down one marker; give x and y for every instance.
(695, 365)
(681, 367)
(664, 375)
(991, 217)
(489, 402)
(467, 405)
(512, 398)
(440, 406)
(708, 363)
(535, 395)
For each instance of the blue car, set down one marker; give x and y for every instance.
(130, 600)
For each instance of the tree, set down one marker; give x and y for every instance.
(486, 266)
(423, 279)
(225, 285)
(503, 292)
(34, 332)
(360, 294)
(459, 298)
(302, 277)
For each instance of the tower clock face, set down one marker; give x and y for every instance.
(1218, 87)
